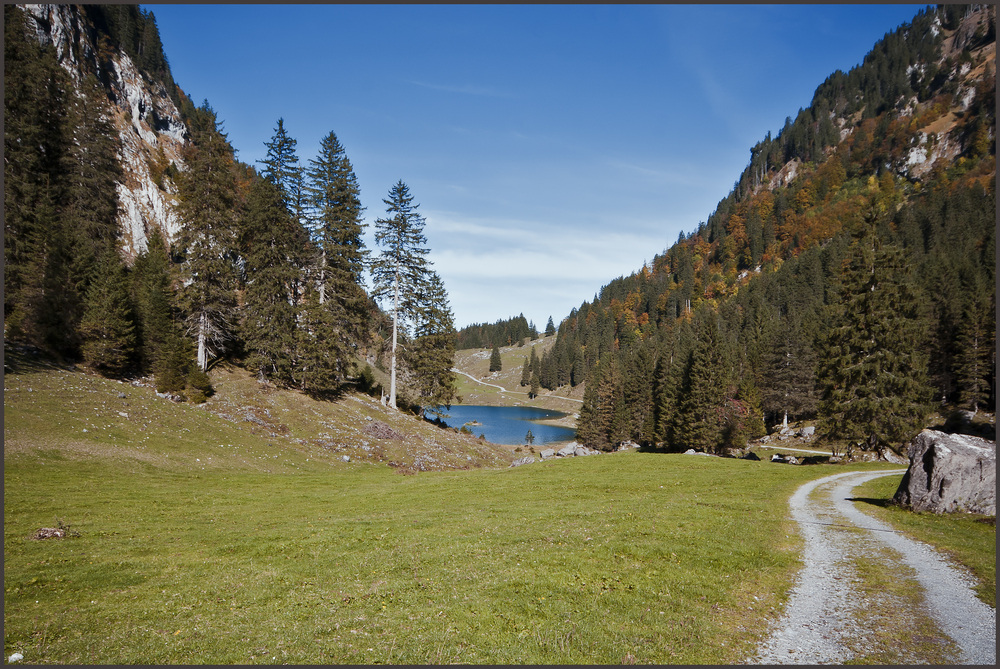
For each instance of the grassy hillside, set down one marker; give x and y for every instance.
(476, 363)
(235, 533)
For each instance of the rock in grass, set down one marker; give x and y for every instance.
(523, 461)
(950, 472)
(548, 453)
(567, 451)
(15, 657)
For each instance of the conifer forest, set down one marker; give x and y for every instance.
(836, 281)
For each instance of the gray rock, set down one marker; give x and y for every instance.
(792, 460)
(547, 453)
(581, 450)
(345, 458)
(807, 432)
(950, 472)
(690, 451)
(527, 460)
(567, 451)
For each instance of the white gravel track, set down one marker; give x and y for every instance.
(821, 615)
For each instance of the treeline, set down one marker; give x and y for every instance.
(266, 270)
(502, 333)
(734, 326)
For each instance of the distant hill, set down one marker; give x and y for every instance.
(501, 333)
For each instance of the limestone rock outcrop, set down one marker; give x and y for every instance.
(948, 473)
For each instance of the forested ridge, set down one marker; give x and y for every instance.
(265, 272)
(849, 276)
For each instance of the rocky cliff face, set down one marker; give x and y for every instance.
(151, 131)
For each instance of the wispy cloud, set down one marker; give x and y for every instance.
(465, 89)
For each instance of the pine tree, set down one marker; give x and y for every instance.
(704, 391)
(789, 373)
(602, 415)
(550, 328)
(526, 372)
(281, 166)
(207, 239)
(496, 364)
(320, 360)
(872, 372)
(431, 355)
(976, 348)
(108, 323)
(333, 201)
(152, 296)
(400, 269)
(270, 244)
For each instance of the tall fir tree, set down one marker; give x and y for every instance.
(704, 390)
(431, 355)
(526, 372)
(271, 244)
(872, 372)
(207, 239)
(281, 166)
(789, 387)
(399, 272)
(333, 200)
(152, 296)
(108, 323)
(496, 363)
(976, 348)
(321, 360)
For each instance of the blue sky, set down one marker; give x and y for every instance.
(552, 148)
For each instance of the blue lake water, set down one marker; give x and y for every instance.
(508, 425)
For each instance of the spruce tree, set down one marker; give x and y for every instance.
(550, 328)
(496, 364)
(431, 356)
(789, 373)
(108, 324)
(152, 296)
(976, 348)
(207, 239)
(270, 244)
(704, 390)
(399, 272)
(872, 371)
(333, 201)
(281, 166)
(320, 360)
(526, 372)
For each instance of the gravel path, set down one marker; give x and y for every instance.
(823, 621)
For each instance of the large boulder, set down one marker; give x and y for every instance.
(950, 472)
(567, 451)
(547, 453)
(526, 460)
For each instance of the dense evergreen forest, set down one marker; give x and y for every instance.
(266, 272)
(853, 293)
(509, 332)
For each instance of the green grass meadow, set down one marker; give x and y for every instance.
(205, 539)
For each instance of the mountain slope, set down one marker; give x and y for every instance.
(905, 142)
(150, 127)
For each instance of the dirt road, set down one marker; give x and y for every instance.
(835, 614)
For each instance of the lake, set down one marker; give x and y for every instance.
(508, 425)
